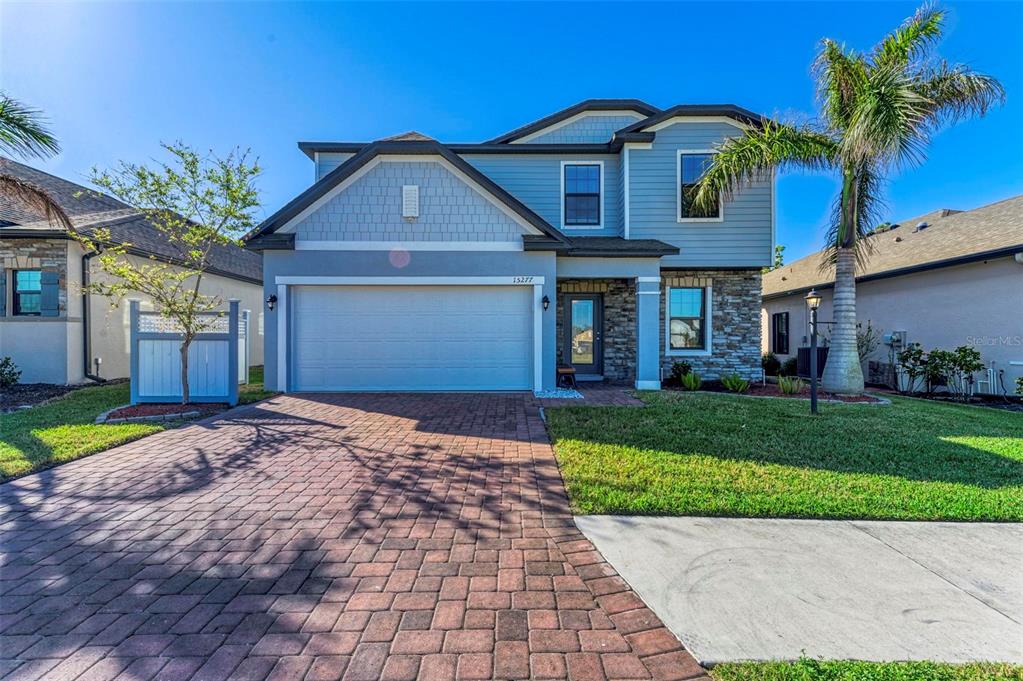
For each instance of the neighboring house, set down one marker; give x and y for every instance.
(51, 331)
(412, 264)
(944, 279)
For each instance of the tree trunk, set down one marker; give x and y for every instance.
(184, 369)
(842, 372)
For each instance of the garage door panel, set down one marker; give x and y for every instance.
(412, 338)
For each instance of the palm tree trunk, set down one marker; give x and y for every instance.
(842, 372)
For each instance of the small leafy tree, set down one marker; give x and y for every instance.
(867, 340)
(9, 373)
(956, 367)
(198, 204)
(779, 259)
(913, 364)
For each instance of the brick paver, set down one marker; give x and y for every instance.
(320, 537)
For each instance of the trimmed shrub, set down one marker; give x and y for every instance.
(735, 383)
(680, 369)
(770, 364)
(790, 385)
(789, 367)
(691, 381)
(9, 372)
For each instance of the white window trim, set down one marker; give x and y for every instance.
(587, 162)
(678, 188)
(708, 332)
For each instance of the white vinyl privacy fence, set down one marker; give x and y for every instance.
(217, 358)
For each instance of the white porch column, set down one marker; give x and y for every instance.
(648, 333)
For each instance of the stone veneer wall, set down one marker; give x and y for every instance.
(619, 323)
(35, 254)
(735, 308)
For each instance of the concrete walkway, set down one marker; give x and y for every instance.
(744, 589)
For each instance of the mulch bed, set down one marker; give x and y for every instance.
(165, 410)
(1014, 404)
(31, 394)
(772, 390)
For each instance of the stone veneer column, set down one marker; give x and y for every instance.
(648, 333)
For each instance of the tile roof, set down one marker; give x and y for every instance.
(950, 237)
(89, 209)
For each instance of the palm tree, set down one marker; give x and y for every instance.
(878, 112)
(23, 133)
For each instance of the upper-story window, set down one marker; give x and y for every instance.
(28, 293)
(691, 167)
(582, 196)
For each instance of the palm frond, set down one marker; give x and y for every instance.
(28, 195)
(913, 39)
(839, 75)
(870, 211)
(889, 124)
(955, 92)
(755, 154)
(23, 131)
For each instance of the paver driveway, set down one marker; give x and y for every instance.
(321, 537)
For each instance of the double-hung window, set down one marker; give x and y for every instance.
(688, 320)
(691, 167)
(780, 332)
(582, 201)
(28, 293)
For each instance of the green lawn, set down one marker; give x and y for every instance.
(812, 670)
(722, 455)
(63, 430)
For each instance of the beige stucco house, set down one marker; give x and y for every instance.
(55, 334)
(944, 279)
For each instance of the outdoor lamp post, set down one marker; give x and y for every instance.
(813, 301)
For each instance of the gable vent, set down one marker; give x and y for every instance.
(410, 201)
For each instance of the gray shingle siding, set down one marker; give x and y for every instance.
(370, 209)
(743, 239)
(536, 182)
(587, 130)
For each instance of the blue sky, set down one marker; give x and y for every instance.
(115, 79)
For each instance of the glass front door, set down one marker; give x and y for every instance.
(584, 330)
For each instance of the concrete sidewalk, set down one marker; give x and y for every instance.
(746, 589)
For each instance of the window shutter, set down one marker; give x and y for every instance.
(50, 300)
(3, 292)
(410, 201)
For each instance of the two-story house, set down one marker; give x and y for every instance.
(412, 264)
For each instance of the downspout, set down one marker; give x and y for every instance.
(86, 323)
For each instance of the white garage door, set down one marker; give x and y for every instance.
(412, 338)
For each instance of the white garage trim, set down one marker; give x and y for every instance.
(283, 325)
(525, 280)
(304, 245)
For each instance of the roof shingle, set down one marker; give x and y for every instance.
(89, 209)
(949, 236)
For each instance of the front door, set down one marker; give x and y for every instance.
(584, 334)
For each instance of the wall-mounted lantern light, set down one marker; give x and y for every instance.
(271, 301)
(546, 303)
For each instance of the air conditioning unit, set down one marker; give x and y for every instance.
(895, 339)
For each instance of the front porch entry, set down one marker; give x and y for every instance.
(583, 329)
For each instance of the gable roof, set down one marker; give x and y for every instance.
(951, 238)
(636, 105)
(258, 238)
(698, 110)
(89, 210)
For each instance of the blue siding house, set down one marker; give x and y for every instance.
(411, 264)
